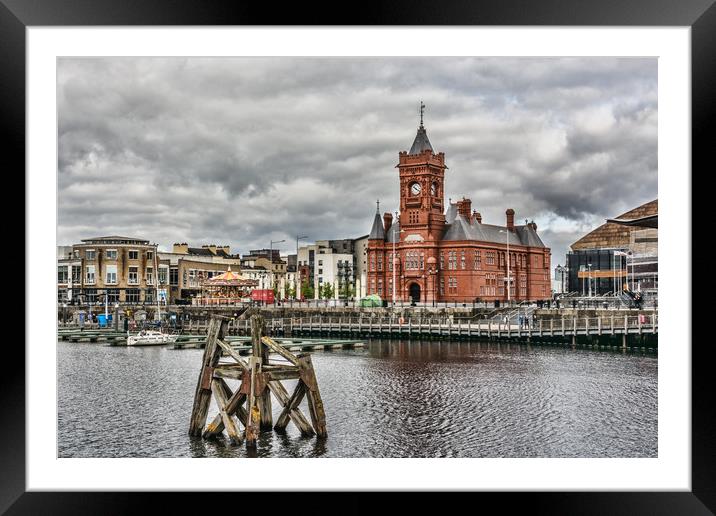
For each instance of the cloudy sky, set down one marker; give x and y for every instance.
(242, 151)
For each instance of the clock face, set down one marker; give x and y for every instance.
(415, 189)
(434, 189)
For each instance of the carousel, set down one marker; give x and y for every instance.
(228, 288)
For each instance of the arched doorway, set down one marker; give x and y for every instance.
(415, 292)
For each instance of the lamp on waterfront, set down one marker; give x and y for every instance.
(589, 278)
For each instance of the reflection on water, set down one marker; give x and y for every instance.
(390, 399)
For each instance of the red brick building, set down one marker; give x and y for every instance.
(450, 255)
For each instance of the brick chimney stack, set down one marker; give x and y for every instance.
(387, 220)
(510, 218)
(182, 248)
(464, 207)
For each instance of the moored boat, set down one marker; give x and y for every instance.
(150, 338)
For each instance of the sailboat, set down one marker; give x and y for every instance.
(152, 337)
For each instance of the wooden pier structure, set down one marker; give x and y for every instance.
(259, 379)
(329, 332)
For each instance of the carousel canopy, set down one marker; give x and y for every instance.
(230, 279)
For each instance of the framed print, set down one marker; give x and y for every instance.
(416, 253)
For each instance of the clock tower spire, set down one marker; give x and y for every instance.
(422, 175)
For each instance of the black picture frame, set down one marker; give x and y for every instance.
(700, 15)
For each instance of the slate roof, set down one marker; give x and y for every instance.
(393, 233)
(451, 213)
(461, 229)
(377, 232)
(421, 142)
(115, 238)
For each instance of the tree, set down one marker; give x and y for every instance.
(307, 290)
(326, 291)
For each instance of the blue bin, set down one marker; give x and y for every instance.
(102, 320)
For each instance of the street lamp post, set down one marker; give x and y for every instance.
(393, 260)
(116, 317)
(589, 278)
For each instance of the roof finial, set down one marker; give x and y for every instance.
(377, 206)
(422, 108)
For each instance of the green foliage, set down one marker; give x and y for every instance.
(326, 291)
(307, 290)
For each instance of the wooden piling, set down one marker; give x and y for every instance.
(260, 379)
(202, 396)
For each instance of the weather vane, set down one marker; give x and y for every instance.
(377, 206)
(422, 108)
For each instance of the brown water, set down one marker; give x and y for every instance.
(391, 399)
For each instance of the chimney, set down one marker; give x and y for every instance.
(510, 218)
(182, 248)
(477, 217)
(210, 247)
(387, 220)
(463, 208)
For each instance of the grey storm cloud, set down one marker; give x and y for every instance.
(246, 150)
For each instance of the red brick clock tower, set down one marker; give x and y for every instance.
(422, 178)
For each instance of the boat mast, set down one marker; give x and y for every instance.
(156, 283)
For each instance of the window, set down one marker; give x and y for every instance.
(462, 260)
(61, 295)
(442, 261)
(452, 285)
(134, 255)
(133, 276)
(90, 274)
(372, 285)
(490, 257)
(111, 254)
(452, 260)
(90, 254)
(320, 262)
(422, 261)
(150, 255)
(173, 276)
(91, 295)
(76, 273)
(149, 295)
(380, 261)
(476, 262)
(150, 275)
(502, 259)
(380, 286)
(111, 274)
(320, 271)
(390, 286)
(372, 261)
(112, 295)
(442, 286)
(132, 295)
(390, 261)
(62, 274)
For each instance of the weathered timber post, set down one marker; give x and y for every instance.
(202, 396)
(259, 379)
(258, 328)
